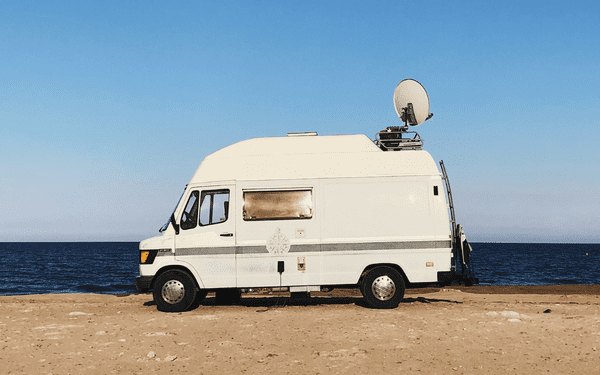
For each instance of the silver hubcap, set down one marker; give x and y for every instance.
(383, 288)
(173, 291)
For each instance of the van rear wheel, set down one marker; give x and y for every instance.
(174, 291)
(383, 288)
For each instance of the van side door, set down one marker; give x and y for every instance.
(278, 235)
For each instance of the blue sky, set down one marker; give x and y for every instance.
(107, 108)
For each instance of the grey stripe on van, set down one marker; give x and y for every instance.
(317, 247)
(206, 250)
(305, 248)
(251, 250)
(385, 246)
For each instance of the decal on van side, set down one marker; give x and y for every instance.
(278, 243)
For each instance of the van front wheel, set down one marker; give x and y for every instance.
(174, 291)
(383, 288)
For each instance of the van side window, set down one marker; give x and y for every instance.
(215, 207)
(189, 218)
(278, 205)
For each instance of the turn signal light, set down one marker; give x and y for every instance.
(148, 256)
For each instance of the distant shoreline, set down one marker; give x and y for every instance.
(566, 289)
(471, 242)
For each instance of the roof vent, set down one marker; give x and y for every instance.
(304, 134)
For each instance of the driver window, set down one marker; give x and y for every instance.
(220, 207)
(215, 207)
(189, 218)
(205, 209)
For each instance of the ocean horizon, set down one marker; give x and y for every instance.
(110, 267)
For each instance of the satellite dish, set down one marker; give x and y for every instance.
(411, 102)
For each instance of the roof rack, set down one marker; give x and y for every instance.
(391, 139)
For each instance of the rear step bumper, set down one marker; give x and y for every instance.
(452, 278)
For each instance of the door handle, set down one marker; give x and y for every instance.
(226, 234)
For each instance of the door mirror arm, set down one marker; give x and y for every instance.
(175, 225)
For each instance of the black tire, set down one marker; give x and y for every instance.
(174, 291)
(200, 295)
(229, 296)
(383, 288)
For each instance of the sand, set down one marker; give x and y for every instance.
(477, 330)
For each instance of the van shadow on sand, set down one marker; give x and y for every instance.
(282, 301)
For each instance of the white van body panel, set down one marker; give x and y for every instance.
(368, 207)
(300, 158)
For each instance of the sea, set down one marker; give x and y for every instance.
(111, 267)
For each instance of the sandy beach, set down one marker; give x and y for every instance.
(474, 330)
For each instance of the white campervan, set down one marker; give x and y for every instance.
(306, 212)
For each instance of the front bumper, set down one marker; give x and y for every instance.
(143, 284)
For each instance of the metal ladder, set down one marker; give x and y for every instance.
(466, 274)
(452, 217)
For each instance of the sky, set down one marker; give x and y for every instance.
(107, 108)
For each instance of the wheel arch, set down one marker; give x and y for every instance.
(180, 267)
(391, 265)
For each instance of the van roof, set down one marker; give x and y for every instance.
(286, 158)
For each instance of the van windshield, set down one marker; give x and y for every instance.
(164, 227)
